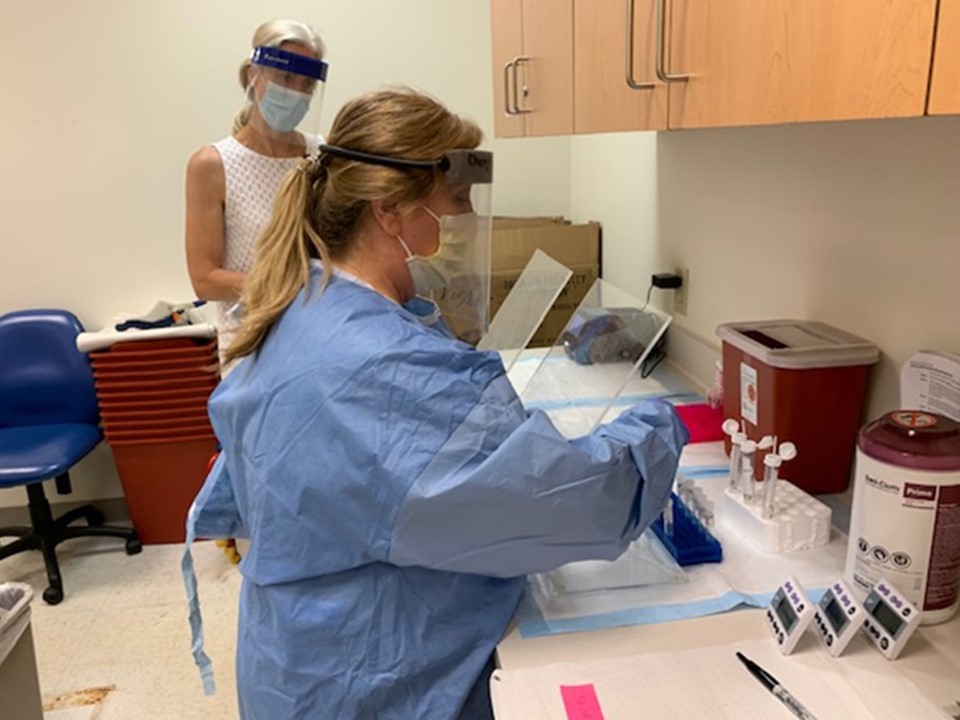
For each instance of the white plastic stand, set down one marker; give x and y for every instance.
(800, 521)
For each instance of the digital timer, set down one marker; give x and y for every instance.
(788, 614)
(838, 617)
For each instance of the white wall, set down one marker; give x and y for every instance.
(854, 224)
(614, 180)
(104, 101)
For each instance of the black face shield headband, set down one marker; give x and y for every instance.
(459, 167)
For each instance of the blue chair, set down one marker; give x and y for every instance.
(48, 422)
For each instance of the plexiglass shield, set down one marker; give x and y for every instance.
(286, 91)
(525, 307)
(609, 337)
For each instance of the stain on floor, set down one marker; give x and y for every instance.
(79, 698)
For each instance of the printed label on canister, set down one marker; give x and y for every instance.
(943, 573)
(748, 393)
(905, 526)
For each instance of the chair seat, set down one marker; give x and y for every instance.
(39, 452)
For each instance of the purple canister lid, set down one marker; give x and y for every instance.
(913, 439)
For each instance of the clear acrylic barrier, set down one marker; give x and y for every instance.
(609, 336)
(525, 307)
(646, 562)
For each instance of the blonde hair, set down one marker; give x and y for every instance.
(321, 204)
(274, 34)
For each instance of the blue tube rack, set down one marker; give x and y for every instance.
(691, 543)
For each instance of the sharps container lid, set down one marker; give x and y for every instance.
(913, 439)
(798, 344)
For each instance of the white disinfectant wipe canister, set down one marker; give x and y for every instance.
(905, 524)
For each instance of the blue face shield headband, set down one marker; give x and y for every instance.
(289, 62)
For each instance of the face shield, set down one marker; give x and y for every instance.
(457, 275)
(461, 264)
(287, 89)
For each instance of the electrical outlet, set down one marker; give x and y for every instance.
(681, 293)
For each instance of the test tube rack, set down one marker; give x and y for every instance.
(690, 543)
(799, 521)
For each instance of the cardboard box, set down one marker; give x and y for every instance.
(576, 246)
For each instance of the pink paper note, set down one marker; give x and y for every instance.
(580, 702)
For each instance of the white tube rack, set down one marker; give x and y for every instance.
(799, 522)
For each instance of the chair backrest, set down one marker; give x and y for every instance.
(44, 379)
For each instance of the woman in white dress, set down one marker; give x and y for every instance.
(231, 184)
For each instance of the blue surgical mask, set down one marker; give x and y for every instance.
(282, 108)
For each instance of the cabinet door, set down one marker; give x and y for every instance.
(604, 100)
(548, 75)
(945, 81)
(506, 28)
(779, 61)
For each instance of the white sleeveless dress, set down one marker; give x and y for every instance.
(252, 183)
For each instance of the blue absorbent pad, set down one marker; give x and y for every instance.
(747, 577)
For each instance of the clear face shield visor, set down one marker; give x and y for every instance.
(457, 275)
(286, 90)
(460, 269)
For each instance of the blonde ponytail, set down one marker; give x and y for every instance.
(283, 260)
(323, 202)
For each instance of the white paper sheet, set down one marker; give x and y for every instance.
(711, 683)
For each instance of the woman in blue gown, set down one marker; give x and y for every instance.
(394, 489)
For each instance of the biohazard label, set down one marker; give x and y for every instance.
(748, 393)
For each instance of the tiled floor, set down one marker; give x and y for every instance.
(123, 624)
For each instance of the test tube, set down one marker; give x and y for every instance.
(735, 459)
(771, 468)
(748, 483)
(708, 516)
(668, 517)
(699, 502)
(732, 429)
(772, 463)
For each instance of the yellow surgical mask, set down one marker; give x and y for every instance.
(452, 257)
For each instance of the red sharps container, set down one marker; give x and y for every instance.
(803, 382)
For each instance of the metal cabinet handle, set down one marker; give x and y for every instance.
(631, 81)
(517, 110)
(662, 49)
(506, 88)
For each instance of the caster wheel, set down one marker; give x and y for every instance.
(95, 518)
(133, 546)
(53, 595)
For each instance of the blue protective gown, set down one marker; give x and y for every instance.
(395, 492)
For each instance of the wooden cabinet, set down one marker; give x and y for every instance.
(781, 61)
(945, 80)
(532, 67)
(561, 66)
(614, 76)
